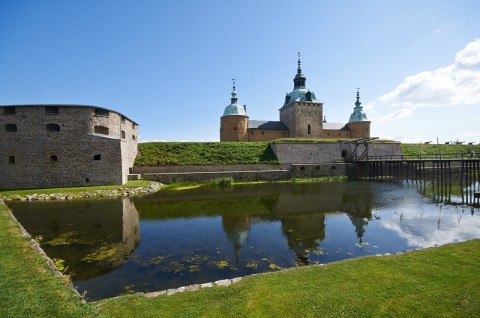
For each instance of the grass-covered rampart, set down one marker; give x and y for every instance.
(434, 149)
(204, 153)
(211, 153)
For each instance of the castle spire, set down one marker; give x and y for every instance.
(357, 103)
(300, 79)
(299, 69)
(234, 93)
(358, 114)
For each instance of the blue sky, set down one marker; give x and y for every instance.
(168, 65)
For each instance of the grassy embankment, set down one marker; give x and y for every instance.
(433, 150)
(209, 153)
(28, 286)
(443, 281)
(204, 153)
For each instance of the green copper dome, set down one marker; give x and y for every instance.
(234, 108)
(358, 114)
(300, 95)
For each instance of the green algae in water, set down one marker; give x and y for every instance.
(275, 267)
(222, 264)
(156, 260)
(67, 238)
(252, 264)
(104, 253)
(59, 264)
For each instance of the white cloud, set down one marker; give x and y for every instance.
(453, 85)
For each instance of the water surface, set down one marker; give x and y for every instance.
(172, 239)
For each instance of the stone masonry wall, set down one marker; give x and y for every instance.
(311, 152)
(61, 149)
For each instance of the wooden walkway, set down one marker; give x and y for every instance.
(436, 169)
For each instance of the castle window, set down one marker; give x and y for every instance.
(123, 119)
(10, 110)
(309, 129)
(11, 128)
(263, 133)
(283, 133)
(101, 112)
(234, 128)
(52, 127)
(308, 96)
(101, 130)
(251, 132)
(51, 110)
(53, 158)
(97, 157)
(133, 137)
(123, 134)
(133, 125)
(11, 159)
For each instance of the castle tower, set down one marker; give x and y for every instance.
(234, 122)
(301, 112)
(358, 124)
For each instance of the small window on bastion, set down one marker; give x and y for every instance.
(123, 134)
(101, 130)
(11, 128)
(51, 110)
(53, 158)
(123, 119)
(97, 157)
(11, 159)
(101, 112)
(9, 110)
(52, 127)
(133, 137)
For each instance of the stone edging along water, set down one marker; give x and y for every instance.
(95, 194)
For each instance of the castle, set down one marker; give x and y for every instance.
(301, 116)
(47, 146)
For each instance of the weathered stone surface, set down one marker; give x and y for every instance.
(34, 156)
(223, 282)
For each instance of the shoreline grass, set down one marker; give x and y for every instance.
(29, 287)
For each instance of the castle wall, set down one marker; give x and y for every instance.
(313, 152)
(266, 135)
(299, 116)
(233, 128)
(333, 133)
(69, 146)
(360, 129)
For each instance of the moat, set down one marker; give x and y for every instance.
(172, 239)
